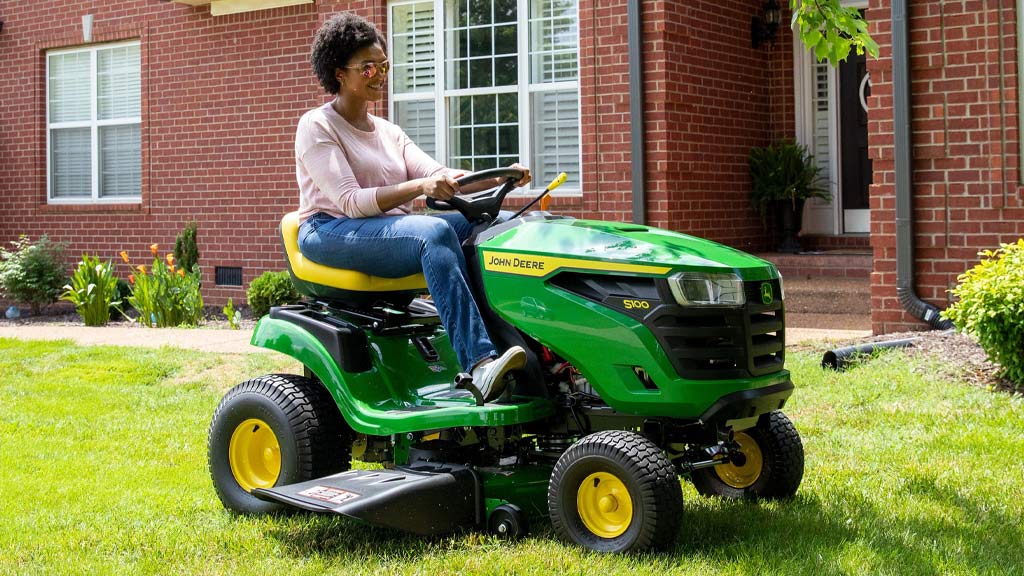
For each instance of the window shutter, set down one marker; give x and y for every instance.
(821, 145)
(413, 49)
(556, 144)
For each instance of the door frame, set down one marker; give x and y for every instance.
(820, 217)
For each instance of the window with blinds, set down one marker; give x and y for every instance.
(484, 83)
(94, 135)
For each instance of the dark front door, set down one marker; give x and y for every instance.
(855, 167)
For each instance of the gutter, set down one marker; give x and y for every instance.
(634, 27)
(903, 171)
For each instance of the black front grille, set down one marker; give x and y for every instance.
(709, 343)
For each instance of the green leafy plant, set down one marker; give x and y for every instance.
(33, 273)
(234, 316)
(186, 251)
(831, 30)
(93, 290)
(990, 307)
(271, 289)
(164, 295)
(784, 171)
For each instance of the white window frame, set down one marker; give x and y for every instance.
(93, 124)
(442, 96)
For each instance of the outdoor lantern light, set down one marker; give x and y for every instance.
(763, 28)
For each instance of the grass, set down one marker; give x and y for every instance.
(103, 459)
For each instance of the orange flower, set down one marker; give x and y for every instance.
(153, 248)
(170, 260)
(141, 268)
(171, 268)
(181, 272)
(131, 279)
(124, 256)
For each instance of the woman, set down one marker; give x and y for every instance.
(358, 175)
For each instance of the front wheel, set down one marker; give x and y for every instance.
(270, 431)
(771, 465)
(615, 491)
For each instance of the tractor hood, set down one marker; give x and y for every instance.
(538, 246)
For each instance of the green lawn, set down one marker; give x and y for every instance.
(103, 459)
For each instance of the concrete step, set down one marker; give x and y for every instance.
(828, 296)
(849, 263)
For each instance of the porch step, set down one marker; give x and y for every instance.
(828, 303)
(849, 263)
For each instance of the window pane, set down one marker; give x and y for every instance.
(480, 73)
(413, 47)
(505, 11)
(505, 40)
(118, 86)
(479, 12)
(71, 162)
(69, 87)
(417, 119)
(556, 136)
(554, 44)
(120, 160)
(478, 138)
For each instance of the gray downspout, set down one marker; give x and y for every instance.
(636, 111)
(903, 168)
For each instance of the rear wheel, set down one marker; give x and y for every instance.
(271, 431)
(771, 465)
(615, 491)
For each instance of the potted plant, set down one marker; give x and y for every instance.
(784, 177)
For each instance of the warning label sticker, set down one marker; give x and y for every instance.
(329, 494)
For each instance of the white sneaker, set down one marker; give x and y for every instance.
(489, 378)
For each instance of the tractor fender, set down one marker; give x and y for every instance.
(291, 340)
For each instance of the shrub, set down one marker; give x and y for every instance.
(164, 295)
(33, 273)
(93, 290)
(784, 171)
(271, 289)
(990, 306)
(186, 251)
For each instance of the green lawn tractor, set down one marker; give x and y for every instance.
(652, 356)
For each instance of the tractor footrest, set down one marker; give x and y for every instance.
(425, 499)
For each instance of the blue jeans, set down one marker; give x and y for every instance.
(396, 246)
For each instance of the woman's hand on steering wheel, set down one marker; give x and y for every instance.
(439, 187)
(526, 175)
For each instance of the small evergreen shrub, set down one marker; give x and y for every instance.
(93, 290)
(990, 307)
(271, 289)
(33, 273)
(186, 251)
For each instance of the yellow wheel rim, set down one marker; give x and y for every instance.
(255, 455)
(604, 505)
(743, 476)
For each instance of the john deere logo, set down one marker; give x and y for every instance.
(766, 293)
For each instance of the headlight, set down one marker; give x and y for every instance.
(703, 289)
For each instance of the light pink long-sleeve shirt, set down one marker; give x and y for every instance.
(340, 167)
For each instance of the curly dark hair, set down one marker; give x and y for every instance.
(335, 43)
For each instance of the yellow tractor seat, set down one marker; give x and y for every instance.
(317, 280)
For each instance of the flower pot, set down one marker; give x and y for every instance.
(789, 220)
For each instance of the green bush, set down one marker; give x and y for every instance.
(186, 251)
(93, 290)
(784, 171)
(271, 289)
(33, 274)
(990, 306)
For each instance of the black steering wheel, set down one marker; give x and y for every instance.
(480, 206)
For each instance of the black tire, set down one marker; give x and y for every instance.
(775, 444)
(309, 434)
(623, 460)
(508, 522)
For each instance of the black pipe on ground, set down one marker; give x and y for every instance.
(841, 358)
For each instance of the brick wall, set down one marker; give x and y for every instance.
(966, 190)
(221, 97)
(709, 101)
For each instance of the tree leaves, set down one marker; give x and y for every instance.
(830, 30)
